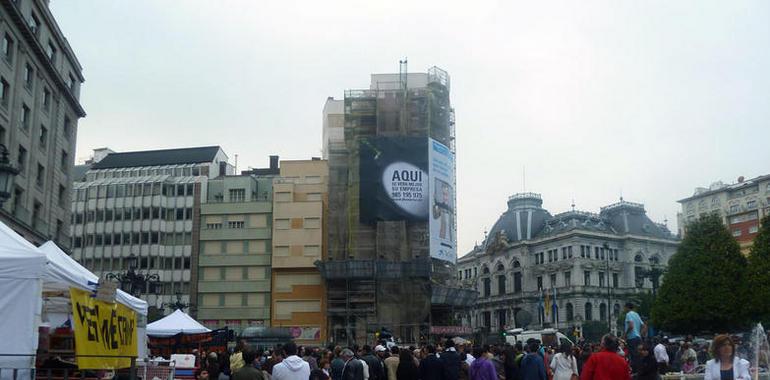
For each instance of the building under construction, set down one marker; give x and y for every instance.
(381, 274)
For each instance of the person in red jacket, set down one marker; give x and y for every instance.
(606, 364)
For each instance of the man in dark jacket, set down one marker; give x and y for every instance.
(450, 360)
(532, 365)
(353, 369)
(376, 369)
(430, 367)
(248, 372)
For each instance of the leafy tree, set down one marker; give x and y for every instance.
(704, 288)
(759, 275)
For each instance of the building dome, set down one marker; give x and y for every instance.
(523, 220)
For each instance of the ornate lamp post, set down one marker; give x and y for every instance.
(136, 283)
(606, 247)
(653, 274)
(7, 174)
(176, 305)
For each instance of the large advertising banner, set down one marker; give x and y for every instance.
(102, 329)
(412, 179)
(394, 179)
(443, 242)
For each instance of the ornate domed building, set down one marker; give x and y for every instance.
(538, 270)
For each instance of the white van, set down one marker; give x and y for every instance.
(548, 337)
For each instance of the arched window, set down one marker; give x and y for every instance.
(500, 267)
(516, 264)
(602, 312)
(501, 284)
(485, 270)
(487, 283)
(638, 258)
(655, 260)
(589, 311)
(570, 312)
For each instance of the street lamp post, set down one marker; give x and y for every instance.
(606, 247)
(134, 282)
(7, 174)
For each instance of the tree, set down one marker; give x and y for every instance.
(704, 288)
(759, 275)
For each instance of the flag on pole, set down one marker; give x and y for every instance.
(554, 306)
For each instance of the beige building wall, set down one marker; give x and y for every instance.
(298, 294)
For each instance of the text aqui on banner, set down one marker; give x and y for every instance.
(103, 329)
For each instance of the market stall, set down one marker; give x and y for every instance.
(62, 274)
(177, 322)
(23, 266)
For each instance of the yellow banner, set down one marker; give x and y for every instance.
(102, 329)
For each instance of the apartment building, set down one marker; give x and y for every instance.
(298, 293)
(741, 205)
(145, 207)
(40, 80)
(235, 240)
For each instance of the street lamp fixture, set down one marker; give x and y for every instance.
(134, 282)
(177, 305)
(7, 174)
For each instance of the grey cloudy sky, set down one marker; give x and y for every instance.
(594, 98)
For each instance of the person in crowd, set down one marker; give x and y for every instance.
(465, 348)
(633, 332)
(725, 365)
(494, 355)
(646, 366)
(464, 373)
(292, 367)
(325, 366)
(236, 359)
(376, 370)
(606, 364)
(407, 369)
(353, 368)
(703, 354)
(248, 371)
(275, 358)
(510, 368)
(391, 363)
(337, 364)
(661, 356)
(482, 368)
(310, 358)
(532, 364)
(209, 369)
(689, 358)
(450, 361)
(430, 366)
(318, 374)
(564, 364)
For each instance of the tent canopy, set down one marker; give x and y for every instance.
(20, 258)
(175, 323)
(63, 272)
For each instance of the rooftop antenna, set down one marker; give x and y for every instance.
(621, 194)
(573, 204)
(665, 221)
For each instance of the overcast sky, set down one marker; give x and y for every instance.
(594, 98)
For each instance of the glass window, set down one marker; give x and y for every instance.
(7, 47)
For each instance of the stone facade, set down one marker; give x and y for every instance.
(40, 80)
(573, 259)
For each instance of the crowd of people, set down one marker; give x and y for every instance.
(631, 356)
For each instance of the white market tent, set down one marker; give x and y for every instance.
(21, 268)
(63, 273)
(175, 323)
